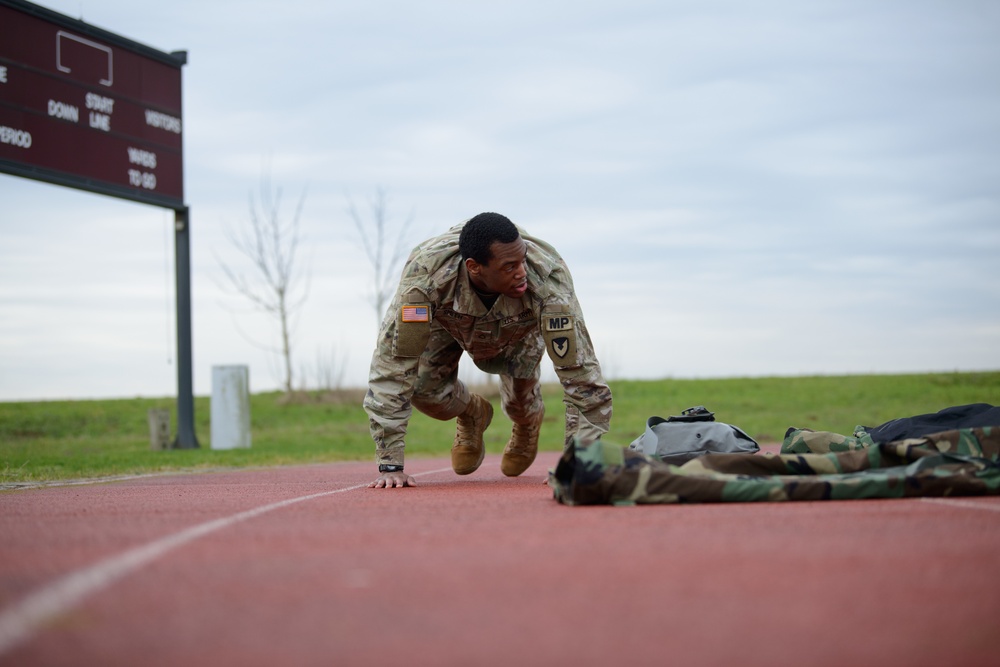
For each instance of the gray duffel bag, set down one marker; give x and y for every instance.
(691, 434)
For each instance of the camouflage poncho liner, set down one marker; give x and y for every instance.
(962, 462)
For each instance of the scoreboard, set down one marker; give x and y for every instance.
(85, 108)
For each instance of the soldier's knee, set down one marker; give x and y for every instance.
(434, 407)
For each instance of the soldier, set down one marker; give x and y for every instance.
(504, 297)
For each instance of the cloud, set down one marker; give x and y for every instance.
(739, 188)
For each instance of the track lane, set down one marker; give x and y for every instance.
(489, 570)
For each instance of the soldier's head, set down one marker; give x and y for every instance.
(494, 254)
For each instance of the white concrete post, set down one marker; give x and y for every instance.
(159, 429)
(230, 407)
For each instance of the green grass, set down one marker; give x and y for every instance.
(54, 440)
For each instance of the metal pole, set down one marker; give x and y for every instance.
(186, 438)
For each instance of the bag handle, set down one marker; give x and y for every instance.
(699, 413)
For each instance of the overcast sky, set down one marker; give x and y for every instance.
(739, 188)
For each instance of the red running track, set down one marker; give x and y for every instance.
(307, 566)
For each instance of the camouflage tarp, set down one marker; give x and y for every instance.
(952, 463)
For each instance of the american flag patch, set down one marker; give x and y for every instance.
(416, 314)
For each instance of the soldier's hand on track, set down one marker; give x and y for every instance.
(388, 480)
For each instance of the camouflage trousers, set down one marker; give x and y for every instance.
(952, 463)
(438, 393)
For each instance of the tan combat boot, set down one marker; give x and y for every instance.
(522, 448)
(468, 451)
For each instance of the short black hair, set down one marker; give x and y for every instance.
(480, 232)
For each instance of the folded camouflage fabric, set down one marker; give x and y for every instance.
(953, 463)
(964, 441)
(957, 418)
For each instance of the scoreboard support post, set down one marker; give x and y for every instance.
(186, 438)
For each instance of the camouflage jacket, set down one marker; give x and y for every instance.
(963, 462)
(510, 338)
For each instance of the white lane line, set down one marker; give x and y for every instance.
(963, 503)
(20, 622)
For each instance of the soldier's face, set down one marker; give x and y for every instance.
(506, 273)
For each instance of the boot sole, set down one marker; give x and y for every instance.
(507, 467)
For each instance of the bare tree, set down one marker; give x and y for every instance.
(330, 368)
(275, 284)
(385, 257)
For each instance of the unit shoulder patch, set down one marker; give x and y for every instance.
(560, 346)
(560, 339)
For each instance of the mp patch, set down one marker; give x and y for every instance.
(558, 323)
(560, 339)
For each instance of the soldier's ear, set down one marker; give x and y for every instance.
(473, 267)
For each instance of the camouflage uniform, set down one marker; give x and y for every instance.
(962, 462)
(436, 315)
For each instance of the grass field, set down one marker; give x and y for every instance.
(53, 440)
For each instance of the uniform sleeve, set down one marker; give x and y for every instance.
(586, 395)
(401, 340)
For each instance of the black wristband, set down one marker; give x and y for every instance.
(382, 467)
